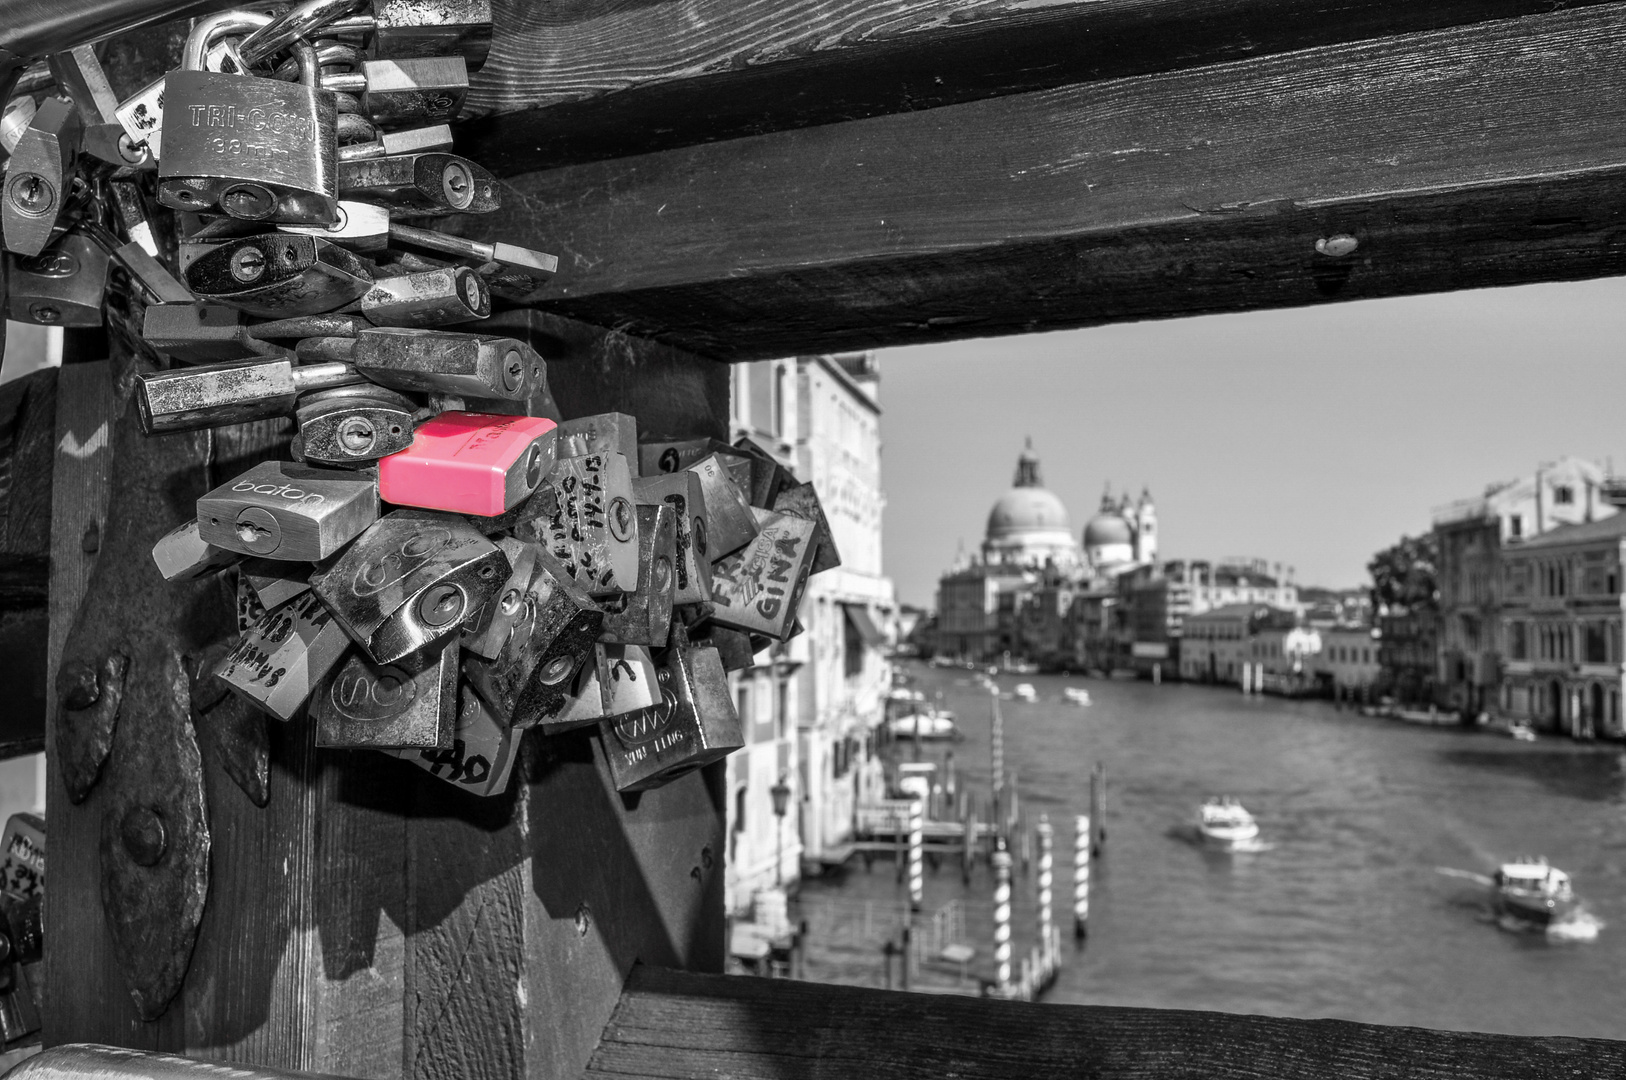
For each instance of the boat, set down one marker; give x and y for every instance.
(1531, 891)
(1522, 732)
(1224, 823)
(1076, 694)
(930, 724)
(1025, 692)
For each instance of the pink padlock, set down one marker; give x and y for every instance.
(470, 463)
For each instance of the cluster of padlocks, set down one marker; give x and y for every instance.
(447, 562)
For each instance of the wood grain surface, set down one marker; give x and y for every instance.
(1478, 156)
(674, 1025)
(589, 79)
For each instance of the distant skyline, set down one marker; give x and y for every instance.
(1310, 437)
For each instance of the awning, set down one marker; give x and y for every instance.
(858, 615)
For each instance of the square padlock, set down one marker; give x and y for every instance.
(758, 588)
(469, 463)
(482, 754)
(693, 725)
(280, 659)
(280, 510)
(410, 704)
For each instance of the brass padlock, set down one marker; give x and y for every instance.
(730, 524)
(352, 426)
(39, 177)
(644, 616)
(419, 185)
(251, 148)
(481, 757)
(284, 511)
(601, 433)
(64, 285)
(694, 724)
(279, 275)
(411, 581)
(691, 581)
(592, 532)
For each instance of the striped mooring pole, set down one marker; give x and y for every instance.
(917, 843)
(1047, 839)
(996, 749)
(1002, 915)
(1081, 876)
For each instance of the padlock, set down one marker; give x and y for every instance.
(733, 646)
(644, 616)
(352, 426)
(768, 477)
(186, 399)
(279, 275)
(306, 21)
(250, 608)
(14, 120)
(416, 90)
(130, 206)
(419, 140)
(757, 589)
(601, 433)
(183, 555)
(584, 701)
(469, 463)
(471, 365)
(691, 579)
(64, 285)
(19, 999)
(274, 583)
(488, 633)
(360, 227)
(482, 754)
(280, 659)
(694, 724)
(552, 637)
(730, 524)
(629, 678)
(512, 272)
(669, 456)
(142, 267)
(201, 332)
(408, 704)
(421, 184)
(405, 28)
(292, 513)
(427, 299)
(593, 531)
(39, 177)
(251, 148)
(22, 857)
(79, 75)
(410, 582)
(801, 501)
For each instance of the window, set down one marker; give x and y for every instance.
(1516, 644)
(1596, 644)
(1563, 495)
(1515, 525)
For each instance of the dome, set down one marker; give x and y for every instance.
(1107, 528)
(1025, 510)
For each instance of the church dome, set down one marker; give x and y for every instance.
(1107, 528)
(1026, 510)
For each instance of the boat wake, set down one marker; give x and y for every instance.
(1581, 926)
(1192, 835)
(1466, 875)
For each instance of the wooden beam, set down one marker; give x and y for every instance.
(1488, 155)
(604, 78)
(671, 1025)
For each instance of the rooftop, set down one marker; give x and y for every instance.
(1603, 529)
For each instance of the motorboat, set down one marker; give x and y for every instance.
(1224, 823)
(1533, 892)
(1076, 694)
(1522, 732)
(928, 724)
(1025, 692)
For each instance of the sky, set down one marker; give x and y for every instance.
(1311, 437)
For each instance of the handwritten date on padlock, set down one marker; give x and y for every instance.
(592, 532)
(411, 581)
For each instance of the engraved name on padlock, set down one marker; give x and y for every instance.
(280, 510)
(410, 581)
(481, 757)
(757, 589)
(252, 148)
(412, 703)
(282, 657)
(694, 724)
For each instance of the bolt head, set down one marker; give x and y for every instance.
(143, 834)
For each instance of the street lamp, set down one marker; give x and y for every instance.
(780, 793)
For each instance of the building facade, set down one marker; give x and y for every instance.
(1562, 602)
(813, 702)
(1348, 661)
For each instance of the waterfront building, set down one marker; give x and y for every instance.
(1561, 629)
(1348, 661)
(1472, 535)
(1217, 643)
(809, 707)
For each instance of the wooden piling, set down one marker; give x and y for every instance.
(1046, 836)
(917, 839)
(1081, 876)
(1098, 805)
(996, 750)
(1002, 916)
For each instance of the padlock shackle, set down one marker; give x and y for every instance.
(298, 23)
(204, 33)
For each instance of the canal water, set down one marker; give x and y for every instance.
(1368, 905)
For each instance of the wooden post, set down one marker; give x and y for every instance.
(1098, 805)
(996, 751)
(1081, 876)
(369, 920)
(1046, 878)
(917, 836)
(1002, 915)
